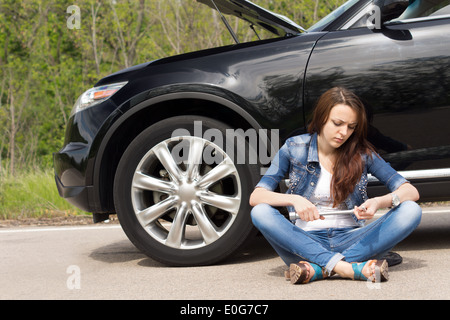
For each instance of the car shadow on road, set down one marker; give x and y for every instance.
(256, 249)
(427, 238)
(119, 252)
(408, 264)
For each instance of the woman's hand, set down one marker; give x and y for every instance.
(367, 210)
(405, 192)
(305, 209)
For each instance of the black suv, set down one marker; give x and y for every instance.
(175, 146)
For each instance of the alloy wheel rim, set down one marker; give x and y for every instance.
(180, 199)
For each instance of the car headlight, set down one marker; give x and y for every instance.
(96, 95)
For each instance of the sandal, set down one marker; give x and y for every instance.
(299, 272)
(379, 274)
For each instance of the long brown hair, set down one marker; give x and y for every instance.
(349, 165)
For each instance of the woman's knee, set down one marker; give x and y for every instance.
(260, 211)
(262, 215)
(413, 208)
(411, 212)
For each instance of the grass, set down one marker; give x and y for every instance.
(32, 195)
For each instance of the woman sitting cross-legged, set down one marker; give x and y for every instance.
(328, 170)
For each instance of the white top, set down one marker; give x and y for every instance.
(321, 198)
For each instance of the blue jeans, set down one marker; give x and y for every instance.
(328, 246)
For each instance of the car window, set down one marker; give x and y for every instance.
(372, 12)
(424, 8)
(397, 11)
(332, 16)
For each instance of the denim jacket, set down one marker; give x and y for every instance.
(299, 157)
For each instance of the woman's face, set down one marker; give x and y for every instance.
(340, 125)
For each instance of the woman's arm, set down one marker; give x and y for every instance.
(304, 208)
(262, 194)
(405, 192)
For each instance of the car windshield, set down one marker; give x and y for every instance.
(332, 16)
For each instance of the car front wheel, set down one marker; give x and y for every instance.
(180, 198)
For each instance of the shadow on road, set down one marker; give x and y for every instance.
(119, 252)
(256, 249)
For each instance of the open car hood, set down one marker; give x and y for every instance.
(256, 15)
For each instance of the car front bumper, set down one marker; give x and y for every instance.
(70, 177)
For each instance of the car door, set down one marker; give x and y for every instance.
(401, 70)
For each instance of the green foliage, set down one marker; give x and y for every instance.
(45, 65)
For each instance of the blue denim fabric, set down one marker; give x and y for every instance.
(299, 158)
(328, 246)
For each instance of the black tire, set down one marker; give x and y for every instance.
(177, 213)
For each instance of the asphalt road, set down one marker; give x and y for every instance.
(99, 262)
